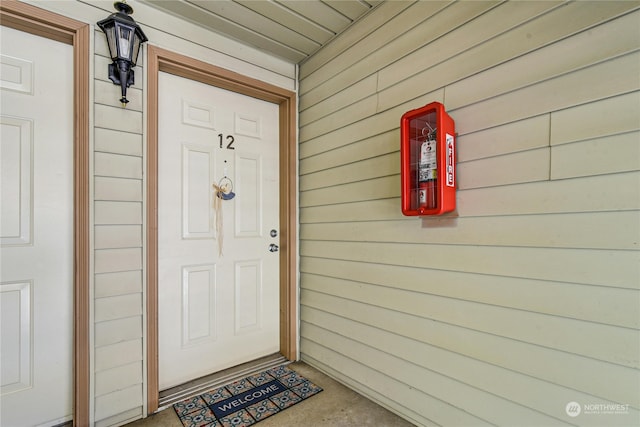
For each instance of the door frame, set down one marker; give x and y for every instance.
(159, 59)
(33, 20)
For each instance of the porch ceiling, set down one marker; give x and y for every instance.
(290, 29)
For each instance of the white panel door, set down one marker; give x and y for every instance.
(218, 283)
(36, 234)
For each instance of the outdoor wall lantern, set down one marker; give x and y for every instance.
(124, 38)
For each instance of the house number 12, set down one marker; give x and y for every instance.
(229, 138)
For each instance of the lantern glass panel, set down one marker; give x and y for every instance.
(111, 40)
(136, 50)
(124, 42)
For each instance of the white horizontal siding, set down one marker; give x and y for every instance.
(601, 304)
(118, 242)
(121, 329)
(619, 153)
(115, 142)
(120, 283)
(125, 120)
(112, 260)
(527, 297)
(110, 381)
(117, 165)
(122, 418)
(118, 354)
(599, 230)
(112, 404)
(107, 212)
(610, 116)
(445, 375)
(118, 236)
(118, 307)
(585, 85)
(121, 189)
(565, 265)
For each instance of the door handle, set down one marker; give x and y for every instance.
(273, 247)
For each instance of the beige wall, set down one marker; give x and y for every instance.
(525, 298)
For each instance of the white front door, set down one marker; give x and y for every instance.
(218, 281)
(36, 230)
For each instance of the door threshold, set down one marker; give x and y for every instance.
(195, 387)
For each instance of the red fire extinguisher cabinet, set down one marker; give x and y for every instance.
(427, 153)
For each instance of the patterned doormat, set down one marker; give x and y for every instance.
(247, 401)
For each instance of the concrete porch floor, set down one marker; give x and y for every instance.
(336, 406)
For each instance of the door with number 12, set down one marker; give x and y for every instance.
(218, 266)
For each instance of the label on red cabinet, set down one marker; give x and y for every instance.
(450, 163)
(427, 168)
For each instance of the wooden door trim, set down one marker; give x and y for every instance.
(34, 20)
(159, 59)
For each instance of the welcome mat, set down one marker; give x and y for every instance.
(247, 401)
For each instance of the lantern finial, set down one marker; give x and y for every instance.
(123, 7)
